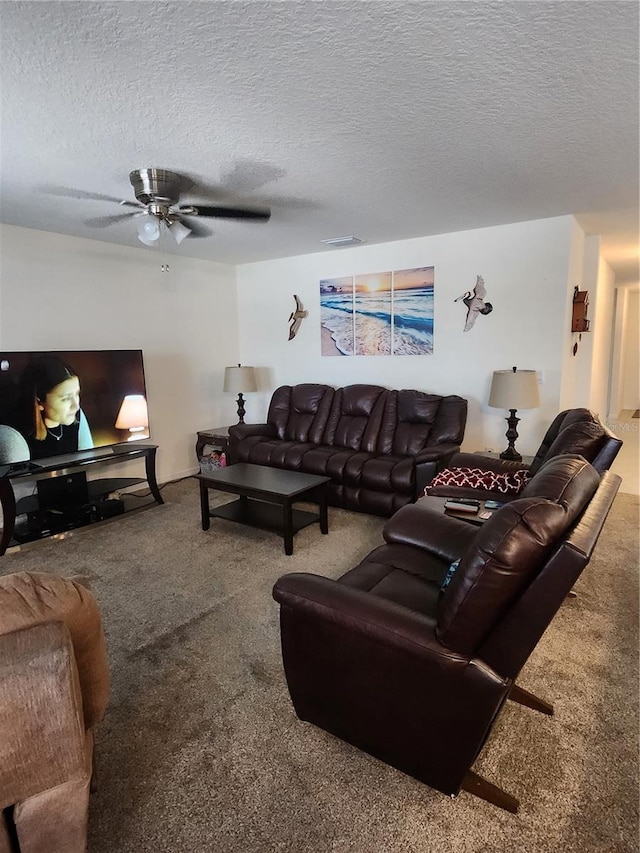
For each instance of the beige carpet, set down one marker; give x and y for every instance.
(201, 750)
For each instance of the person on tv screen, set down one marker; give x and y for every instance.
(54, 421)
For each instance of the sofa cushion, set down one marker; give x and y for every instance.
(388, 474)
(560, 479)
(407, 422)
(299, 412)
(401, 574)
(355, 417)
(317, 459)
(414, 420)
(576, 431)
(272, 452)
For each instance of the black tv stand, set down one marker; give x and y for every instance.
(74, 516)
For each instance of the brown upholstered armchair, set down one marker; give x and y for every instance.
(574, 431)
(414, 671)
(54, 686)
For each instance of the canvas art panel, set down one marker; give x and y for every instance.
(386, 313)
(413, 311)
(336, 316)
(372, 314)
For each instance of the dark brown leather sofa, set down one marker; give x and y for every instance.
(414, 672)
(574, 431)
(379, 446)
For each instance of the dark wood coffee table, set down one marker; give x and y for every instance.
(265, 499)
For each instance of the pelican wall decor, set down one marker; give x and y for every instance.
(475, 303)
(296, 318)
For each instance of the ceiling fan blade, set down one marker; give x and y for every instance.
(198, 229)
(67, 192)
(226, 212)
(104, 221)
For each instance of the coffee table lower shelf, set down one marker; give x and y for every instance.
(263, 515)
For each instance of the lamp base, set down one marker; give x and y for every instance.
(241, 410)
(511, 453)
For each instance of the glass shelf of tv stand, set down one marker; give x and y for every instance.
(54, 467)
(103, 455)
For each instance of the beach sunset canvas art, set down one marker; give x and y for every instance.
(387, 313)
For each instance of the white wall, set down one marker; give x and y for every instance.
(586, 374)
(528, 274)
(618, 351)
(59, 292)
(581, 385)
(602, 334)
(574, 389)
(630, 367)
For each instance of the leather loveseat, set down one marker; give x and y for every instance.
(409, 656)
(380, 447)
(574, 431)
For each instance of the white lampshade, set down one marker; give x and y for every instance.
(240, 379)
(134, 416)
(514, 389)
(178, 231)
(148, 229)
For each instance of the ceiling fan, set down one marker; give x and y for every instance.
(158, 194)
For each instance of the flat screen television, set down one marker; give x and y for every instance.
(57, 403)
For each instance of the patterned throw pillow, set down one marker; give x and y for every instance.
(507, 482)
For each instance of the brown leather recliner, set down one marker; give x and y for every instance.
(414, 671)
(54, 687)
(574, 431)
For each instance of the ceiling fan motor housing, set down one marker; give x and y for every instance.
(157, 186)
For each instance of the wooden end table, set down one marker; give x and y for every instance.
(265, 499)
(217, 437)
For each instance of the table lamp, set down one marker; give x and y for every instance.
(240, 380)
(514, 389)
(133, 415)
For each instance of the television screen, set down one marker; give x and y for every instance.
(55, 403)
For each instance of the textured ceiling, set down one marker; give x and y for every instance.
(386, 120)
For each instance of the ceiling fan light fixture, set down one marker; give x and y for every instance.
(148, 230)
(178, 231)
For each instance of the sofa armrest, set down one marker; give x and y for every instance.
(430, 460)
(41, 716)
(239, 431)
(442, 535)
(372, 617)
(440, 453)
